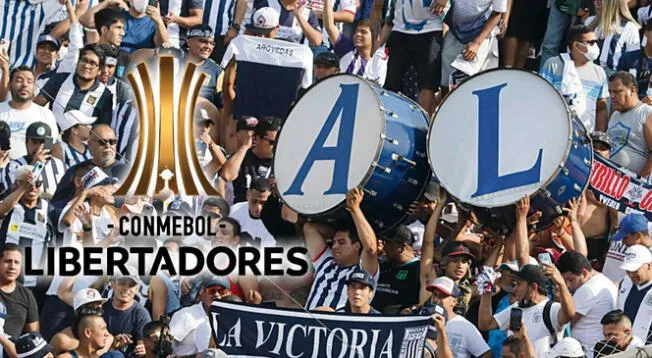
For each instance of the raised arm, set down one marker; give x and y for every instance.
(579, 240)
(521, 236)
(12, 199)
(161, 36)
(329, 22)
(427, 273)
(567, 310)
(365, 232)
(313, 35)
(315, 236)
(231, 169)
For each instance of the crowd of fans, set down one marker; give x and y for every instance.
(68, 128)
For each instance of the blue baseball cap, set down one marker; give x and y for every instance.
(630, 224)
(361, 276)
(48, 38)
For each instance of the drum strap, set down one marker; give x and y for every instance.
(548, 322)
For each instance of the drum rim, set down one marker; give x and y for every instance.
(559, 166)
(379, 148)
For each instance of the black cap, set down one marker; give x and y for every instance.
(531, 274)
(48, 38)
(327, 58)
(361, 276)
(38, 130)
(201, 30)
(400, 234)
(31, 345)
(457, 248)
(248, 123)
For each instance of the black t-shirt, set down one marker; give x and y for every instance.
(130, 321)
(398, 287)
(252, 167)
(21, 309)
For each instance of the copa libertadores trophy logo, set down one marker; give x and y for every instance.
(166, 141)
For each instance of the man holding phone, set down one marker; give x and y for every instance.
(39, 150)
(544, 318)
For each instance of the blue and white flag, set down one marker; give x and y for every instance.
(269, 75)
(248, 331)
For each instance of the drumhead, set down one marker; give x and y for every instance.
(531, 119)
(300, 132)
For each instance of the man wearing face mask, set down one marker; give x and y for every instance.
(582, 83)
(144, 27)
(630, 126)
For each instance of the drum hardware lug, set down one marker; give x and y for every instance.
(412, 181)
(577, 188)
(391, 140)
(385, 169)
(559, 210)
(575, 145)
(564, 170)
(370, 192)
(396, 157)
(546, 193)
(379, 223)
(420, 154)
(384, 93)
(587, 162)
(398, 206)
(392, 114)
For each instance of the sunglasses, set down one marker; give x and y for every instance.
(270, 141)
(589, 42)
(217, 289)
(109, 142)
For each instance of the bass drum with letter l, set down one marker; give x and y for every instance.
(345, 132)
(504, 134)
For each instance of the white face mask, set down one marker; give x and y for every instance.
(139, 5)
(63, 51)
(592, 52)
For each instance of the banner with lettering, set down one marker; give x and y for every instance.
(242, 330)
(619, 188)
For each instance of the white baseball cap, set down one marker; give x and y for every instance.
(635, 257)
(87, 295)
(74, 117)
(445, 285)
(566, 347)
(263, 21)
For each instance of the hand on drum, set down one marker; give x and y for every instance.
(354, 198)
(571, 210)
(523, 208)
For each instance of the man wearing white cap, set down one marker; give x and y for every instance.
(567, 347)
(464, 339)
(634, 295)
(76, 127)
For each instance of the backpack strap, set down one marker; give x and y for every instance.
(548, 322)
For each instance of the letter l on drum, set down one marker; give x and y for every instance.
(489, 148)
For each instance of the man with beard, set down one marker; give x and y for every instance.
(39, 147)
(20, 112)
(201, 41)
(102, 144)
(22, 311)
(81, 90)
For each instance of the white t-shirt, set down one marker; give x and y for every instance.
(191, 330)
(464, 339)
(253, 226)
(19, 119)
(593, 300)
(101, 227)
(536, 328)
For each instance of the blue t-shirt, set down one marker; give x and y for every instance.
(139, 33)
(130, 321)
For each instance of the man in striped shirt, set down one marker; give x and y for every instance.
(39, 146)
(226, 18)
(76, 129)
(352, 249)
(81, 90)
